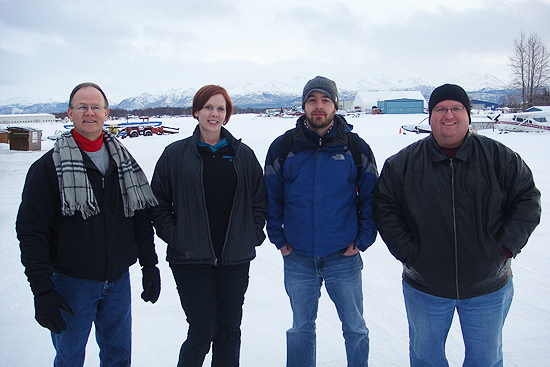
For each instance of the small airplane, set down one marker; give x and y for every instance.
(294, 111)
(534, 119)
(477, 121)
(418, 128)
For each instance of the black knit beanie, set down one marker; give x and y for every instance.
(452, 92)
(322, 85)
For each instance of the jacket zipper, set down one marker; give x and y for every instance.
(104, 220)
(454, 227)
(94, 167)
(106, 200)
(204, 202)
(233, 206)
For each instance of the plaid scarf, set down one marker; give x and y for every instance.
(76, 190)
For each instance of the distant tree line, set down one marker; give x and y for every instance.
(163, 111)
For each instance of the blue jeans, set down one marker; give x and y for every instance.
(304, 276)
(481, 321)
(108, 306)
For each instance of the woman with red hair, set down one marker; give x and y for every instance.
(211, 213)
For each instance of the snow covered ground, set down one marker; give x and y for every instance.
(159, 329)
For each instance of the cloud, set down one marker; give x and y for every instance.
(47, 47)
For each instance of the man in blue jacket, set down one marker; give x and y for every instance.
(320, 217)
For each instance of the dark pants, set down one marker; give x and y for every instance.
(212, 298)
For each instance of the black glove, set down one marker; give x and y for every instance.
(151, 283)
(47, 311)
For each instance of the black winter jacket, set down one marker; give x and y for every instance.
(449, 219)
(181, 219)
(101, 247)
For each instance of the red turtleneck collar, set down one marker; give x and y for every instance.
(88, 145)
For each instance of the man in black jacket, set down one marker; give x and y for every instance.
(455, 207)
(83, 220)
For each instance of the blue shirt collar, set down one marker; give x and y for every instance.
(214, 148)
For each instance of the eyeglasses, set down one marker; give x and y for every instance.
(84, 108)
(454, 110)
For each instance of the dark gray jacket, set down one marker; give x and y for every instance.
(448, 220)
(181, 218)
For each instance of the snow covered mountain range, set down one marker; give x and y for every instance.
(272, 93)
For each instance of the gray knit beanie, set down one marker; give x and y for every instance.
(322, 85)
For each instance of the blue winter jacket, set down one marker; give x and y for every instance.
(316, 203)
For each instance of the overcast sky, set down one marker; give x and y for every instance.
(132, 46)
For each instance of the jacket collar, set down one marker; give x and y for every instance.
(462, 154)
(233, 142)
(336, 135)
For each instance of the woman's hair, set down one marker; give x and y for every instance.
(85, 85)
(205, 93)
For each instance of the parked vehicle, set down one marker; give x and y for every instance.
(145, 130)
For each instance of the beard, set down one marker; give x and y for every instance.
(320, 121)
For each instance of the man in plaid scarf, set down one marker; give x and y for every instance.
(83, 220)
